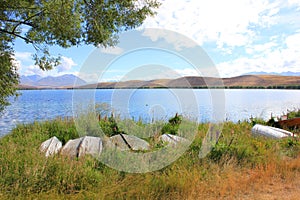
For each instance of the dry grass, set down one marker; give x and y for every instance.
(247, 168)
(261, 80)
(269, 182)
(274, 181)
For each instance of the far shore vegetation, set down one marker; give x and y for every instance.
(239, 166)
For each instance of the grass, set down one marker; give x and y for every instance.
(239, 166)
(293, 114)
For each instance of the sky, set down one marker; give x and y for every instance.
(235, 37)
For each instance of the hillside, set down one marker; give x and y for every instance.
(262, 80)
(245, 81)
(251, 81)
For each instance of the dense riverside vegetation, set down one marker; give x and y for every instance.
(237, 165)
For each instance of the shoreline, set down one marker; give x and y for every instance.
(289, 87)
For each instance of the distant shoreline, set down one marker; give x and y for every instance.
(190, 82)
(283, 87)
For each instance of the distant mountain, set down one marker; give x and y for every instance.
(67, 80)
(34, 77)
(275, 73)
(29, 80)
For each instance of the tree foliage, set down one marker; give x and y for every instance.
(66, 23)
(8, 74)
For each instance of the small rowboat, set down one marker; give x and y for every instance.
(270, 132)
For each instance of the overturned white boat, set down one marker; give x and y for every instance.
(270, 132)
(83, 146)
(51, 146)
(172, 139)
(127, 142)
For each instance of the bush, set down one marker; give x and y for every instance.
(109, 126)
(291, 147)
(294, 114)
(173, 125)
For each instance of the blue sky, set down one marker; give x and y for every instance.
(239, 36)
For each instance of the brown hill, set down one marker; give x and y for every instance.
(262, 80)
(201, 82)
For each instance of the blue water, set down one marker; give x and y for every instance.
(148, 104)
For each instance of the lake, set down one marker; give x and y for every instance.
(152, 104)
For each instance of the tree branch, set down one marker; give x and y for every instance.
(25, 21)
(17, 35)
(16, 21)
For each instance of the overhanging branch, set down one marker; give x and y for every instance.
(17, 21)
(25, 22)
(16, 35)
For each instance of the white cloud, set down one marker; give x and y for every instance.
(261, 48)
(23, 56)
(178, 41)
(187, 72)
(293, 41)
(294, 2)
(65, 64)
(112, 50)
(232, 23)
(17, 63)
(268, 59)
(33, 70)
(224, 22)
(20, 58)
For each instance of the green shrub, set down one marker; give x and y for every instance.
(173, 125)
(109, 126)
(64, 130)
(291, 147)
(258, 121)
(293, 114)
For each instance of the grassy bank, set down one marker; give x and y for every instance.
(239, 166)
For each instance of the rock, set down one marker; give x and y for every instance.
(83, 146)
(135, 142)
(172, 139)
(51, 146)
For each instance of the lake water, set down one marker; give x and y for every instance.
(152, 104)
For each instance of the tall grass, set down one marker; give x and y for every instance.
(237, 165)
